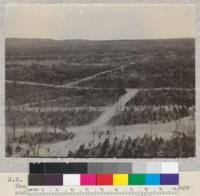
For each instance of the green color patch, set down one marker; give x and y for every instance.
(136, 179)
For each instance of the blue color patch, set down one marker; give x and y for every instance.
(152, 179)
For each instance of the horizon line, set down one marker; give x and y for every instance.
(82, 39)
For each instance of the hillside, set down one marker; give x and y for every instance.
(26, 46)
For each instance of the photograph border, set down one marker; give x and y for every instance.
(12, 164)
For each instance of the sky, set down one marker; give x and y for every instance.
(99, 22)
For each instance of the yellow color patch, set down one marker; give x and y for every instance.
(120, 179)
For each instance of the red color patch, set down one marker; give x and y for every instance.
(104, 179)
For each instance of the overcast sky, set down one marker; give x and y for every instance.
(100, 22)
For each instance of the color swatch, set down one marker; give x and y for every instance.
(152, 179)
(136, 179)
(88, 179)
(104, 179)
(120, 179)
(71, 180)
(106, 174)
(169, 179)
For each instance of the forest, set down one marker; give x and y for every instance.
(59, 92)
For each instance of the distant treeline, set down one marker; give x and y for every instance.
(168, 62)
(20, 47)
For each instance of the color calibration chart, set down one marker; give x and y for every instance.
(114, 178)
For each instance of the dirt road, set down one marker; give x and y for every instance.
(115, 108)
(84, 134)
